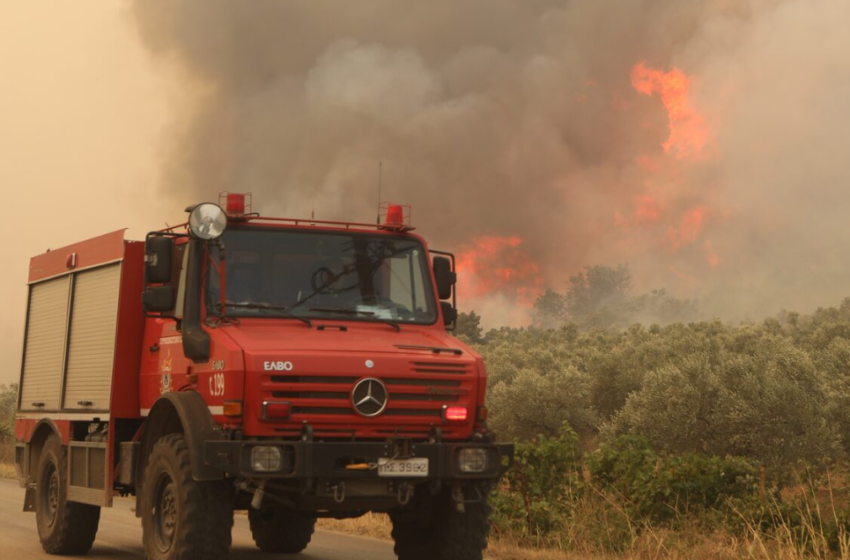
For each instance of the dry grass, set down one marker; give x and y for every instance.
(650, 544)
(7, 460)
(7, 471)
(378, 526)
(375, 525)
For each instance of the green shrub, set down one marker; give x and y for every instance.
(663, 489)
(8, 402)
(540, 489)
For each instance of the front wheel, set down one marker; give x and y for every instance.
(434, 529)
(278, 530)
(63, 527)
(183, 519)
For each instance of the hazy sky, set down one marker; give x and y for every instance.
(81, 112)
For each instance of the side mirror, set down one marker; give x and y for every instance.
(158, 298)
(444, 275)
(158, 253)
(449, 313)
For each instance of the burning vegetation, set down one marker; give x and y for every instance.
(499, 265)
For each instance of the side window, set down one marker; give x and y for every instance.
(419, 285)
(181, 259)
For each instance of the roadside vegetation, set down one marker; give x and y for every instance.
(8, 399)
(645, 431)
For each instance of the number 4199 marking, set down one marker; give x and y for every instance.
(217, 384)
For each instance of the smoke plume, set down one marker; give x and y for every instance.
(703, 142)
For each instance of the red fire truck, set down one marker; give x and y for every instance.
(296, 369)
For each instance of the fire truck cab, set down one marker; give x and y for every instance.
(296, 369)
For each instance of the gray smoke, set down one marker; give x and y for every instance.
(518, 118)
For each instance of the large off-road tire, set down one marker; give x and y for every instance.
(278, 530)
(435, 530)
(63, 527)
(183, 519)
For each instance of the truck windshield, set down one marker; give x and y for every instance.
(322, 275)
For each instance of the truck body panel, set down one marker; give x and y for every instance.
(81, 352)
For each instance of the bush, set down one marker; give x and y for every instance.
(758, 397)
(540, 402)
(663, 489)
(558, 496)
(541, 487)
(8, 402)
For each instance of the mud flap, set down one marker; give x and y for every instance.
(29, 499)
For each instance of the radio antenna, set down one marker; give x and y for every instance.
(380, 177)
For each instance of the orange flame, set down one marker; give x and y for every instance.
(711, 256)
(659, 215)
(688, 231)
(492, 265)
(688, 131)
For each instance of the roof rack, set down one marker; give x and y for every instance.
(402, 228)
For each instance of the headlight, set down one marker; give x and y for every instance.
(266, 458)
(472, 460)
(207, 221)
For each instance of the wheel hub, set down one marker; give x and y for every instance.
(165, 512)
(50, 502)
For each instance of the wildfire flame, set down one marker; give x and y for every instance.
(499, 266)
(492, 264)
(670, 224)
(688, 132)
(688, 230)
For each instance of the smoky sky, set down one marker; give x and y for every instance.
(519, 119)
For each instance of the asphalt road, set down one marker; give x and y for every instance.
(120, 536)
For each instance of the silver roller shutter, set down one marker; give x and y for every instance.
(91, 346)
(44, 351)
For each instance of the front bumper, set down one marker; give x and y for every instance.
(346, 460)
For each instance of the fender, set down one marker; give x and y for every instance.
(33, 435)
(186, 413)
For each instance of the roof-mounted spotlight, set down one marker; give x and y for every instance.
(207, 221)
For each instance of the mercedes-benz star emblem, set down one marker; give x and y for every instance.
(369, 397)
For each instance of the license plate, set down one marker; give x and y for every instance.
(403, 467)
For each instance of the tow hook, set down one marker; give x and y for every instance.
(257, 500)
(339, 492)
(461, 500)
(457, 496)
(405, 491)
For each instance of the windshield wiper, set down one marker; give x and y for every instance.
(371, 314)
(269, 307)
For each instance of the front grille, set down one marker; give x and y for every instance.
(416, 395)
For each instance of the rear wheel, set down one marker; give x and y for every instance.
(279, 530)
(434, 529)
(183, 519)
(63, 527)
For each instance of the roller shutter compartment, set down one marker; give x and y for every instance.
(91, 347)
(44, 351)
